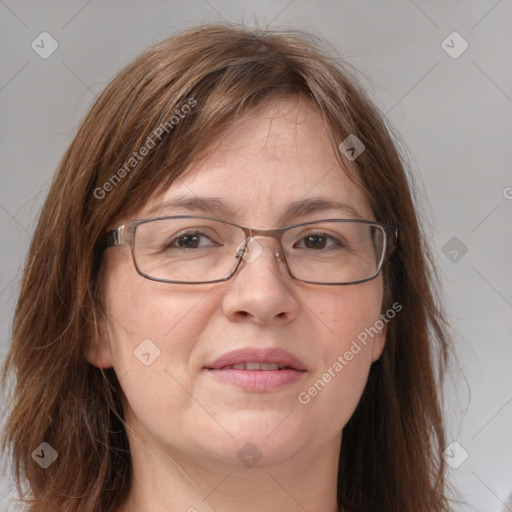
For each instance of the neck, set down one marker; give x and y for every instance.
(173, 481)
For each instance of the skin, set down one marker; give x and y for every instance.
(185, 427)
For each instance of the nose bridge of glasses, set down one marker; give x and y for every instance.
(268, 233)
(253, 247)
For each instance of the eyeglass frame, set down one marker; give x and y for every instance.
(116, 237)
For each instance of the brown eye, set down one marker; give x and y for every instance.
(320, 241)
(315, 242)
(188, 241)
(191, 240)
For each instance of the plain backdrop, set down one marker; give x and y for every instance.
(451, 104)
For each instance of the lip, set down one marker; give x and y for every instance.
(258, 355)
(257, 380)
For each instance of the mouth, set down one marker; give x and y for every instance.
(256, 366)
(257, 369)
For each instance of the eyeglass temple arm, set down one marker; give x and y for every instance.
(114, 237)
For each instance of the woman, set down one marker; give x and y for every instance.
(227, 302)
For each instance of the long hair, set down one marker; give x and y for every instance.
(390, 457)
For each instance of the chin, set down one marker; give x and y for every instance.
(251, 452)
(265, 434)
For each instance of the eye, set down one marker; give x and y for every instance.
(320, 241)
(190, 240)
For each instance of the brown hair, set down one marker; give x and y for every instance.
(390, 455)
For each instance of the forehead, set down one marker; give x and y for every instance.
(279, 154)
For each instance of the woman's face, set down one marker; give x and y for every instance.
(174, 402)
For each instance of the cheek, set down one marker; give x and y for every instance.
(153, 314)
(346, 313)
(346, 318)
(152, 332)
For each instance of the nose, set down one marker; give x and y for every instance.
(261, 289)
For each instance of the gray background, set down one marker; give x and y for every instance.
(454, 114)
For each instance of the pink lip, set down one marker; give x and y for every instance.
(258, 355)
(258, 380)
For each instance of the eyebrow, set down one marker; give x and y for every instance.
(216, 206)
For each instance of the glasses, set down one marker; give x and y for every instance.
(191, 249)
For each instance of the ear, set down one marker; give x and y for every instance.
(379, 341)
(97, 349)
